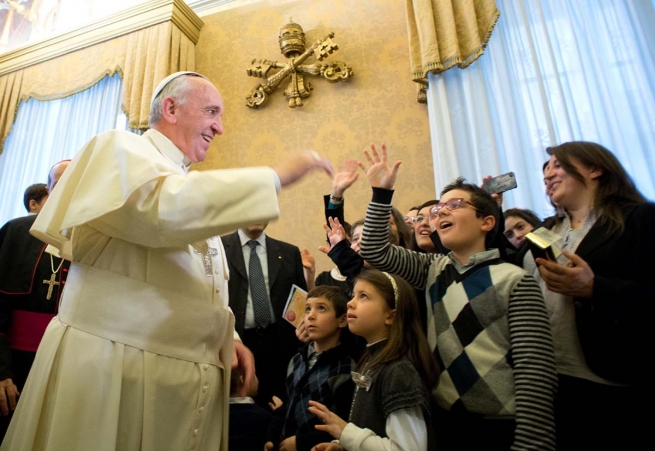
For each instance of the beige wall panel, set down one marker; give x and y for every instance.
(337, 120)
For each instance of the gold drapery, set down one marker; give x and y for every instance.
(447, 33)
(143, 58)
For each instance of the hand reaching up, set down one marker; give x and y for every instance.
(335, 233)
(379, 174)
(498, 197)
(345, 176)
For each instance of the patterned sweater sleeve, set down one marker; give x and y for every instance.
(379, 253)
(535, 375)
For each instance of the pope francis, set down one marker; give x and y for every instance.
(139, 356)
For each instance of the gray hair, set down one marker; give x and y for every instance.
(178, 88)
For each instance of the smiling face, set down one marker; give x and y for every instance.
(515, 230)
(194, 122)
(323, 325)
(422, 230)
(566, 190)
(461, 230)
(369, 315)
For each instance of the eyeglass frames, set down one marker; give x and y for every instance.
(452, 204)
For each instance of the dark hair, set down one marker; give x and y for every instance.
(334, 294)
(616, 189)
(527, 215)
(393, 237)
(404, 232)
(406, 337)
(36, 193)
(483, 203)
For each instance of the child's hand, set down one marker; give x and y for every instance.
(268, 446)
(301, 332)
(327, 447)
(333, 425)
(275, 403)
(288, 444)
(379, 174)
(335, 233)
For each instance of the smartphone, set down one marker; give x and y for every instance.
(500, 183)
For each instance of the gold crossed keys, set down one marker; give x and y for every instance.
(292, 45)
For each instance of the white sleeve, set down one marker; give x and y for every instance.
(406, 429)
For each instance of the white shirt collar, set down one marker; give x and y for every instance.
(168, 149)
(245, 238)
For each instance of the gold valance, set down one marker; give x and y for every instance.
(447, 33)
(142, 57)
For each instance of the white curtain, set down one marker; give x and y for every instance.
(47, 132)
(553, 71)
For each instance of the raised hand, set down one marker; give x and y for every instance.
(301, 332)
(498, 197)
(345, 176)
(335, 233)
(379, 174)
(309, 267)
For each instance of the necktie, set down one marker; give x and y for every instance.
(260, 303)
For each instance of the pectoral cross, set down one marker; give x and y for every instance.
(52, 282)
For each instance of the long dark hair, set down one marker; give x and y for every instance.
(404, 232)
(616, 189)
(406, 337)
(527, 215)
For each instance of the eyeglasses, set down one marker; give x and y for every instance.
(418, 219)
(452, 204)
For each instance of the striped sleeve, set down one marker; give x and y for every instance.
(535, 374)
(379, 253)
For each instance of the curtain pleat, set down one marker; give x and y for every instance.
(142, 58)
(447, 33)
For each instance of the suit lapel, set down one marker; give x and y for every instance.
(274, 258)
(595, 239)
(234, 254)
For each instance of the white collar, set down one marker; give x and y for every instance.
(168, 148)
(243, 238)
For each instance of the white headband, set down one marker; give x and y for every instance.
(395, 288)
(162, 84)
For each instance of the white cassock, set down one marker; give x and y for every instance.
(139, 356)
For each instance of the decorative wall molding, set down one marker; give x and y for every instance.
(127, 21)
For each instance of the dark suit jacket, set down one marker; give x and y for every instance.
(284, 269)
(614, 326)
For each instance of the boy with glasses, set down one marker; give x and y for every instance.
(487, 321)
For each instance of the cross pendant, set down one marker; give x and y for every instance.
(52, 282)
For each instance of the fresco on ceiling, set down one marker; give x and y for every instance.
(24, 22)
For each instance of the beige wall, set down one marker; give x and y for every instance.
(337, 120)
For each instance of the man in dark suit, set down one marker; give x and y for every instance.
(277, 266)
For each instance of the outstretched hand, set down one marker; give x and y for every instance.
(332, 423)
(298, 166)
(576, 280)
(345, 176)
(379, 174)
(335, 233)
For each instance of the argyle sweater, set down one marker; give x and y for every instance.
(328, 382)
(488, 327)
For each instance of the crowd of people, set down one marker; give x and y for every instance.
(146, 322)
